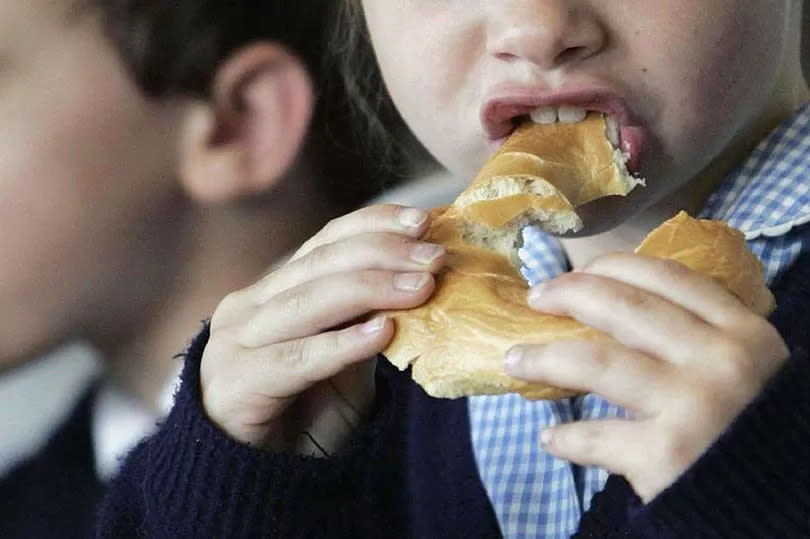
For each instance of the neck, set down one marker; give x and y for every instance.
(226, 250)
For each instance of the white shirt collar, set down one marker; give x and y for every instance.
(120, 421)
(38, 397)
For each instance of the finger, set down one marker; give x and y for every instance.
(636, 317)
(286, 369)
(412, 222)
(380, 251)
(621, 375)
(669, 279)
(334, 300)
(613, 444)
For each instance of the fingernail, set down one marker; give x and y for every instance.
(410, 282)
(535, 293)
(426, 253)
(513, 357)
(412, 217)
(545, 437)
(374, 325)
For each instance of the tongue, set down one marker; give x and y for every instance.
(631, 143)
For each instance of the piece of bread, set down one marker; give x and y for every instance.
(714, 249)
(456, 342)
(539, 176)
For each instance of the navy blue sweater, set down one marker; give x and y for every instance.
(55, 493)
(410, 472)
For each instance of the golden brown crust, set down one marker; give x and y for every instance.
(714, 249)
(456, 342)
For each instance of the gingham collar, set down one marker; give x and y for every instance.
(769, 193)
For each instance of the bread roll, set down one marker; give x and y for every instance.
(456, 342)
(539, 176)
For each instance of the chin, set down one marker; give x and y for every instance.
(20, 350)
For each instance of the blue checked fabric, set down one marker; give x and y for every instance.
(536, 495)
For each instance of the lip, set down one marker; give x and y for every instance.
(503, 105)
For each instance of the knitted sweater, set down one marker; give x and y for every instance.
(410, 471)
(56, 492)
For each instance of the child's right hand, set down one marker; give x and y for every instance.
(287, 364)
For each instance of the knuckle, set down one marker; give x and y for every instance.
(316, 258)
(225, 310)
(606, 261)
(332, 226)
(341, 340)
(370, 280)
(732, 362)
(601, 363)
(389, 245)
(566, 280)
(292, 354)
(674, 449)
(632, 299)
(296, 301)
(584, 440)
(379, 216)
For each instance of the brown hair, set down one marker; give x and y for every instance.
(174, 48)
(379, 123)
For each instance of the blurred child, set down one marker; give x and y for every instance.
(154, 156)
(712, 105)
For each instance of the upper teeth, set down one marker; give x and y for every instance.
(565, 114)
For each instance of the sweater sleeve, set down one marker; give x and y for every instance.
(191, 480)
(754, 481)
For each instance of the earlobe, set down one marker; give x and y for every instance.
(247, 139)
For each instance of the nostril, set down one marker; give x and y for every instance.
(506, 56)
(572, 54)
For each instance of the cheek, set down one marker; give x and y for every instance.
(77, 172)
(715, 77)
(433, 80)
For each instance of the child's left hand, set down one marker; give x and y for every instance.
(688, 357)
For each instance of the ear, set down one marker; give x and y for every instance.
(247, 137)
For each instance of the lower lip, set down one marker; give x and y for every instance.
(632, 143)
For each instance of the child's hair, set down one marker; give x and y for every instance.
(174, 48)
(383, 130)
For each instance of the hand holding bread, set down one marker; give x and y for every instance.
(675, 332)
(288, 364)
(685, 357)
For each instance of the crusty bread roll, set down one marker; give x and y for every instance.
(456, 342)
(539, 176)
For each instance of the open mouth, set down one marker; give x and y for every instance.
(504, 111)
(628, 139)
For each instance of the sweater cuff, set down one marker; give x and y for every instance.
(753, 480)
(197, 471)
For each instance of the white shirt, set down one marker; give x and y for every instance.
(36, 398)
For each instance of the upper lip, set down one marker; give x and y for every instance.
(502, 106)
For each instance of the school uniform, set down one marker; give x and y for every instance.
(422, 467)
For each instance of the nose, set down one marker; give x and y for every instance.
(546, 33)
